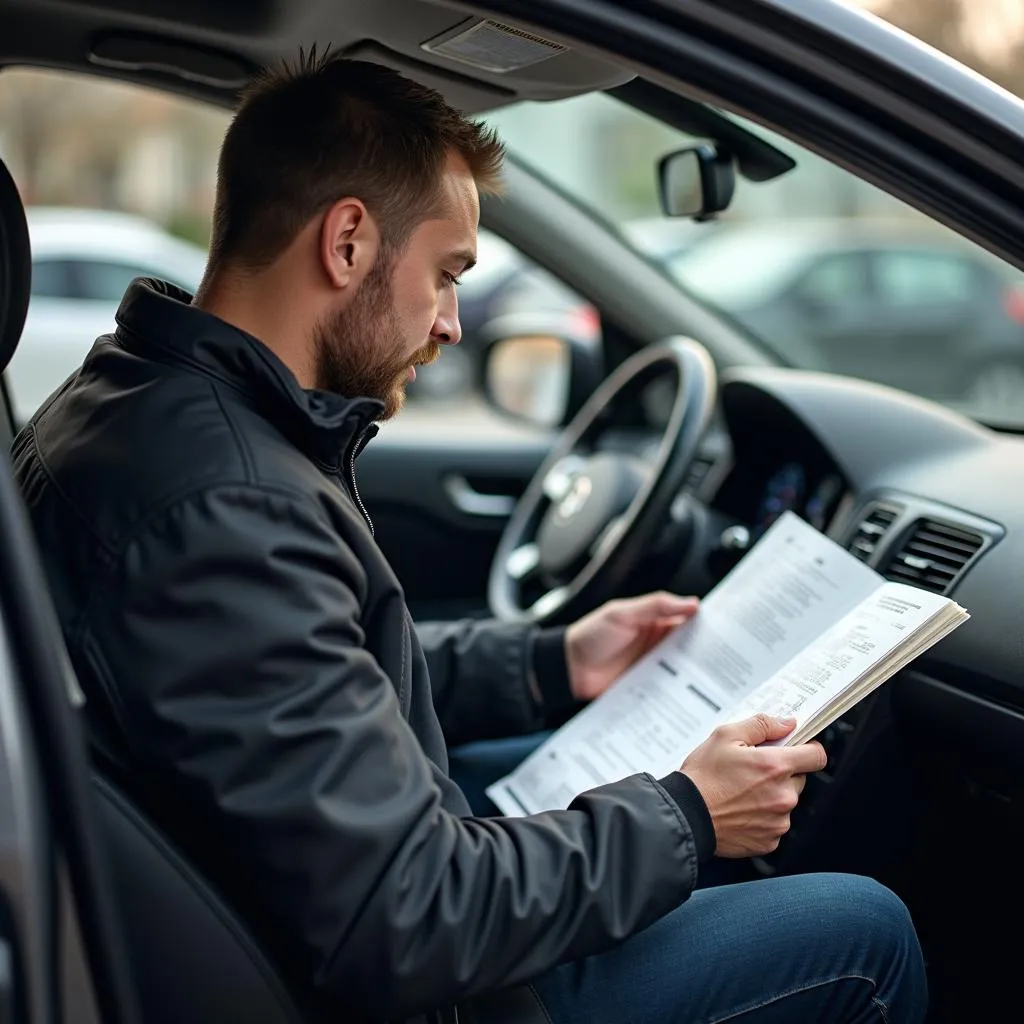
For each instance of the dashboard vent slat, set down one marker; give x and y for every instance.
(871, 530)
(934, 555)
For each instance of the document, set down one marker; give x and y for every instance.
(799, 628)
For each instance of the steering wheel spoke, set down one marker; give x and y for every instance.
(549, 603)
(523, 563)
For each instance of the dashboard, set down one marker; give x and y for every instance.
(920, 494)
(798, 485)
(838, 451)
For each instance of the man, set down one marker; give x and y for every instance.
(251, 664)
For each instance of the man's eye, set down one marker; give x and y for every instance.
(452, 279)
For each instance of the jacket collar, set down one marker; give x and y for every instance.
(157, 319)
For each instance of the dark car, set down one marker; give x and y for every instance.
(887, 301)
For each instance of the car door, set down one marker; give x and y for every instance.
(440, 482)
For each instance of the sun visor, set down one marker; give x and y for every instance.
(462, 92)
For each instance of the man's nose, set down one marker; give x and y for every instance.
(447, 330)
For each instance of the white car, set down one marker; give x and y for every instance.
(82, 262)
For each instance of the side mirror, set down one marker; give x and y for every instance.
(539, 368)
(698, 181)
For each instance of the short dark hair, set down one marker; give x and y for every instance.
(310, 133)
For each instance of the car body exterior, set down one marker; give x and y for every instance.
(82, 262)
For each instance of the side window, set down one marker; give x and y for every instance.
(907, 279)
(100, 199)
(81, 178)
(52, 279)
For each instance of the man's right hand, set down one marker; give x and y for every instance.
(751, 790)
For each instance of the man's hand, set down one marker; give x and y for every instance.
(750, 791)
(602, 645)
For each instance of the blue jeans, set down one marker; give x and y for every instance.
(796, 949)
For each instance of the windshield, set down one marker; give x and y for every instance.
(821, 269)
(739, 269)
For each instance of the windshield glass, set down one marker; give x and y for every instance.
(739, 270)
(821, 269)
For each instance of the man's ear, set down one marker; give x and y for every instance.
(349, 241)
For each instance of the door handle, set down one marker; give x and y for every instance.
(467, 499)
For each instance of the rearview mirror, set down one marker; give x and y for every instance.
(540, 369)
(698, 181)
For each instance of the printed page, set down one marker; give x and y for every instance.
(862, 648)
(791, 587)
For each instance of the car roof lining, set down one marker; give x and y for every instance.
(208, 49)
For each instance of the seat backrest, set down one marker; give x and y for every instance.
(191, 957)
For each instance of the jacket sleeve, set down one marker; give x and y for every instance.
(233, 644)
(492, 679)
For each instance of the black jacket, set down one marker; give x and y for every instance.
(246, 649)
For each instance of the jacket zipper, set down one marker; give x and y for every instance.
(356, 449)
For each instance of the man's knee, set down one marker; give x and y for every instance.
(858, 903)
(846, 913)
(863, 908)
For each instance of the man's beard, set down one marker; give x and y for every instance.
(360, 351)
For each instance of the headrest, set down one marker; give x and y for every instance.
(15, 266)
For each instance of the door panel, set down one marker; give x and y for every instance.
(439, 506)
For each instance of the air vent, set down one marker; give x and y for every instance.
(934, 555)
(871, 530)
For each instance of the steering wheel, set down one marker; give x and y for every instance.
(589, 515)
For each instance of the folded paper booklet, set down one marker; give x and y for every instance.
(799, 628)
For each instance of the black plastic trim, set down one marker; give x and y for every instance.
(949, 716)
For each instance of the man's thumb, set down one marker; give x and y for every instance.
(765, 728)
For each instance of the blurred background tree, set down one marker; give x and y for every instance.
(987, 35)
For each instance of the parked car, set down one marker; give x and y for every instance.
(82, 262)
(882, 300)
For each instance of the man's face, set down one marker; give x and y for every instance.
(406, 307)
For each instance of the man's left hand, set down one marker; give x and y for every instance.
(602, 645)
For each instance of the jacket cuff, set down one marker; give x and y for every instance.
(550, 672)
(686, 795)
